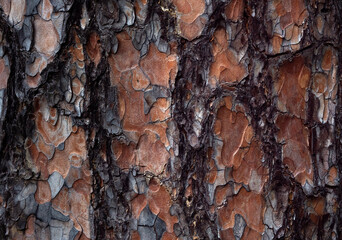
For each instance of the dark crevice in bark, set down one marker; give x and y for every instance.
(338, 116)
(12, 124)
(192, 92)
(256, 95)
(193, 154)
(105, 170)
(11, 127)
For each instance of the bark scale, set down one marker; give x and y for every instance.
(171, 119)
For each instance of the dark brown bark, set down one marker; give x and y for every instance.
(206, 119)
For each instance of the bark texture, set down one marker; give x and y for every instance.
(170, 119)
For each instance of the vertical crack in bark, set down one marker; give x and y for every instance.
(193, 113)
(338, 117)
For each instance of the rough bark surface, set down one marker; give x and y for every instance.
(170, 119)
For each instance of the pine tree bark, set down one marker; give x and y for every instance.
(170, 119)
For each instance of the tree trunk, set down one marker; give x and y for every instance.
(170, 119)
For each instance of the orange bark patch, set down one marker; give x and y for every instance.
(233, 126)
(74, 151)
(160, 203)
(222, 193)
(54, 134)
(298, 11)
(124, 154)
(251, 171)
(160, 110)
(327, 59)
(79, 197)
(46, 37)
(249, 205)
(152, 154)
(190, 22)
(291, 86)
(45, 9)
(138, 204)
(133, 102)
(296, 154)
(192, 30)
(43, 193)
(166, 70)
(320, 83)
(226, 67)
(30, 226)
(139, 80)
(4, 74)
(333, 178)
(168, 236)
(144, 131)
(234, 10)
(127, 56)
(190, 9)
(61, 202)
